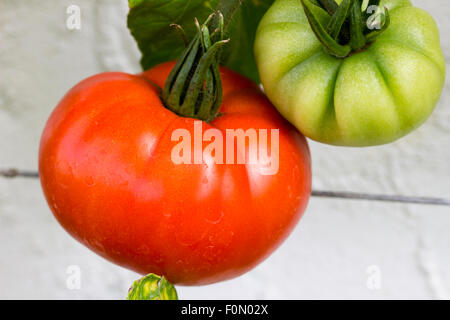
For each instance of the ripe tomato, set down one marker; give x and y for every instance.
(107, 174)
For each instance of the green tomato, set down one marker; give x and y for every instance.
(371, 97)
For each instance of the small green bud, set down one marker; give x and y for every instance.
(152, 287)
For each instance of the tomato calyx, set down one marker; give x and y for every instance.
(194, 87)
(353, 24)
(152, 287)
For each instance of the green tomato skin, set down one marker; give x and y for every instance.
(370, 98)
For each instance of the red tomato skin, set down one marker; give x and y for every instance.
(107, 174)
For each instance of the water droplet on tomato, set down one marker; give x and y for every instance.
(215, 217)
(89, 181)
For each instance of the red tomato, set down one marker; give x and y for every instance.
(106, 171)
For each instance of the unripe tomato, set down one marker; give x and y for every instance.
(373, 96)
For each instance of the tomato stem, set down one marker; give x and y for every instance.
(194, 87)
(352, 26)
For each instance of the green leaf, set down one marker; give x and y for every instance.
(238, 55)
(152, 287)
(134, 3)
(149, 22)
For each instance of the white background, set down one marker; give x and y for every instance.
(328, 254)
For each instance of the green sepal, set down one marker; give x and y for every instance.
(337, 20)
(365, 14)
(370, 37)
(329, 5)
(369, 3)
(197, 83)
(152, 287)
(365, 5)
(357, 38)
(330, 44)
(174, 90)
(194, 87)
(347, 29)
